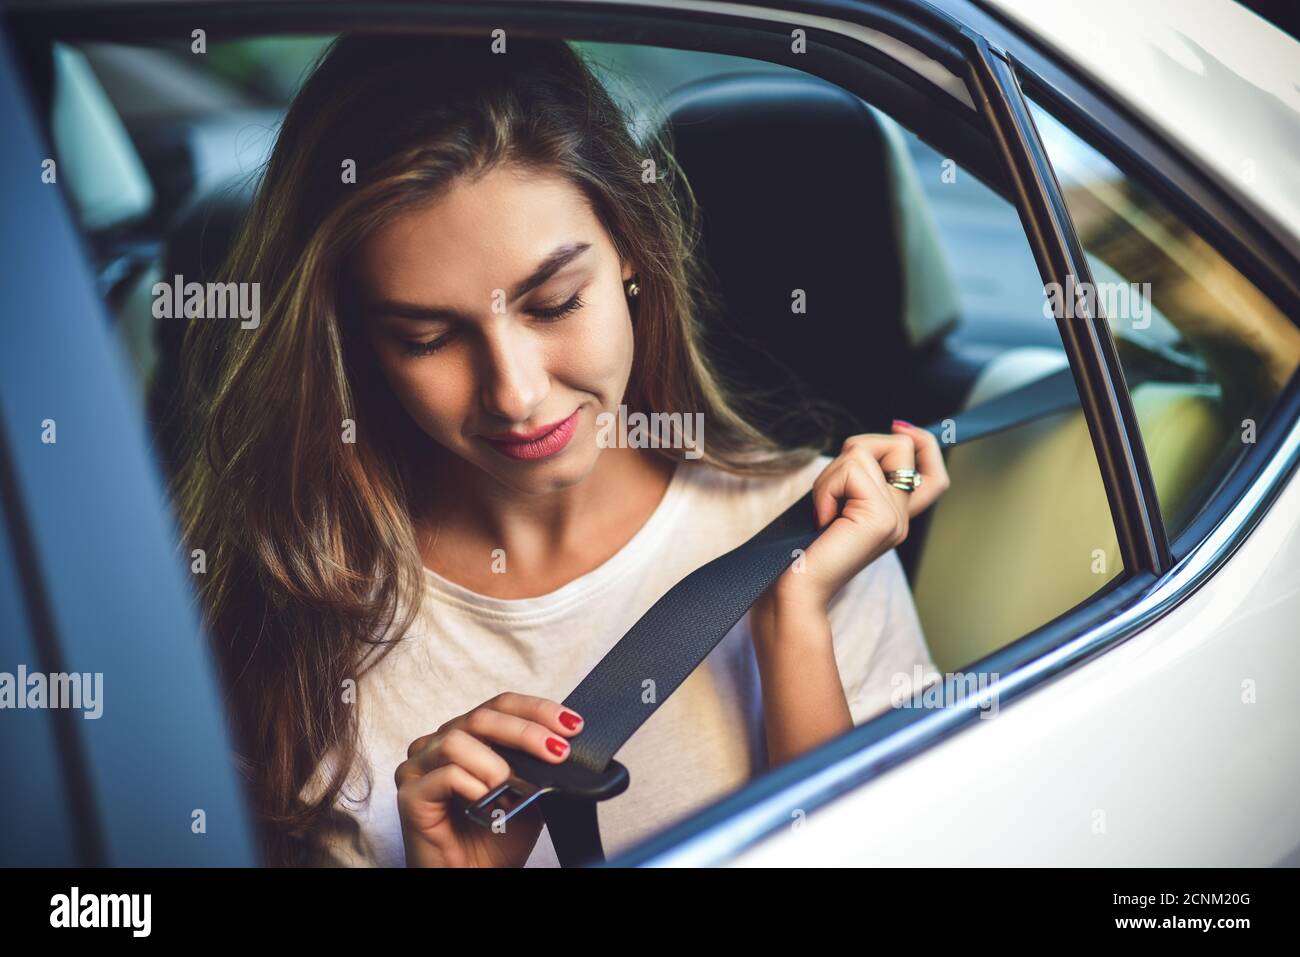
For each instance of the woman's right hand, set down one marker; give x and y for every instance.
(456, 760)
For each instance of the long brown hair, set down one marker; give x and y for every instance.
(312, 563)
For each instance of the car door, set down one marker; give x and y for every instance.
(938, 70)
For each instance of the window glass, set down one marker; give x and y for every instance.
(1205, 352)
(948, 274)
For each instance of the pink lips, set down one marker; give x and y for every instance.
(538, 446)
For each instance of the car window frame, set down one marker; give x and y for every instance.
(1198, 196)
(1226, 240)
(104, 588)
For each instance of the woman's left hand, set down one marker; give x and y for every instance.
(874, 516)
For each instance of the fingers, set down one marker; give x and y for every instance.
(543, 711)
(929, 462)
(858, 480)
(875, 454)
(515, 731)
(461, 748)
(828, 489)
(439, 785)
(890, 451)
(538, 726)
(906, 447)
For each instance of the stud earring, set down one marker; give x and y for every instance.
(632, 287)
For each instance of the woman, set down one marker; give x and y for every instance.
(419, 534)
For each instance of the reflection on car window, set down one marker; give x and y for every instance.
(1215, 353)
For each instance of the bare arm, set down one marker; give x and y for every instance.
(803, 698)
(861, 516)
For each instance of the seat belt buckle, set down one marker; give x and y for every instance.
(532, 778)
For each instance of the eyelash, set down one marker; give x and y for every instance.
(553, 314)
(559, 312)
(425, 348)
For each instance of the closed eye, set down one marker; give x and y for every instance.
(551, 313)
(544, 313)
(426, 348)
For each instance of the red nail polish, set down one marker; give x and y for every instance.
(904, 422)
(556, 746)
(569, 720)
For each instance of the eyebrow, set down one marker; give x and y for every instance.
(559, 257)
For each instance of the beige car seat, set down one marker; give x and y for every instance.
(1024, 533)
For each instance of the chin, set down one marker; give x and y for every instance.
(539, 476)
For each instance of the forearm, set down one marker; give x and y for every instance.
(803, 698)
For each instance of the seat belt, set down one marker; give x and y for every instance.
(670, 640)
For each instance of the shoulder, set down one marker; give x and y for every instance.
(733, 506)
(767, 490)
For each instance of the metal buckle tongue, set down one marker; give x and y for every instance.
(534, 778)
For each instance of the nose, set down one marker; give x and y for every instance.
(513, 373)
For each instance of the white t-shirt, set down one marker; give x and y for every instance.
(704, 741)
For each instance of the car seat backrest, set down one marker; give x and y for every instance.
(805, 189)
(1024, 532)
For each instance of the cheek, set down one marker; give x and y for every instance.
(595, 355)
(434, 394)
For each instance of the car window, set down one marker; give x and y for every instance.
(918, 271)
(109, 186)
(1003, 528)
(969, 298)
(969, 269)
(1208, 353)
(984, 241)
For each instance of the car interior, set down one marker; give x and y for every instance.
(802, 185)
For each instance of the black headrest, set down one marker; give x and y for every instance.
(794, 179)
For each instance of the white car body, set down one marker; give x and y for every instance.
(1208, 75)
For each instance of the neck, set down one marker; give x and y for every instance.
(470, 513)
